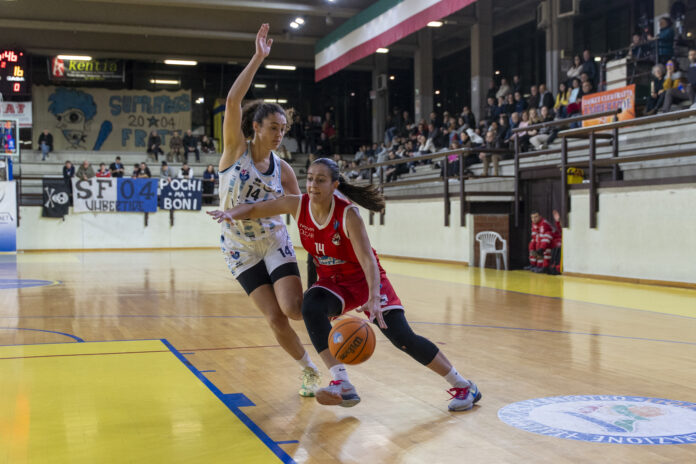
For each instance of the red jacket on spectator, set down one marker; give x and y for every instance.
(557, 234)
(542, 235)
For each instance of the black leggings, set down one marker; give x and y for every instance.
(319, 304)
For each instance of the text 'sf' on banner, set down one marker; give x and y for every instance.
(102, 195)
(8, 217)
(624, 98)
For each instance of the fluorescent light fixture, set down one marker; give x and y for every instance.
(382, 50)
(437, 92)
(200, 100)
(181, 62)
(391, 78)
(299, 21)
(294, 25)
(282, 100)
(75, 57)
(281, 67)
(165, 81)
(259, 86)
(274, 100)
(435, 24)
(597, 59)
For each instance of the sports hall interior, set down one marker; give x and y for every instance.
(124, 338)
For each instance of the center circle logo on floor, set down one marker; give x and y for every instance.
(624, 420)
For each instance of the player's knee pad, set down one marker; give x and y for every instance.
(318, 305)
(400, 334)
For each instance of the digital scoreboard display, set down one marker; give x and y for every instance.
(14, 73)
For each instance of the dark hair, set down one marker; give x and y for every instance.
(368, 196)
(257, 110)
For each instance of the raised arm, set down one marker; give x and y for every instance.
(232, 126)
(284, 205)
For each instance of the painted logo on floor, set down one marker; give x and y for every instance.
(625, 420)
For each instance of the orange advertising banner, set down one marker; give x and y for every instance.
(624, 98)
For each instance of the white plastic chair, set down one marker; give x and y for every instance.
(487, 244)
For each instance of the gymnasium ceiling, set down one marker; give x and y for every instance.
(217, 31)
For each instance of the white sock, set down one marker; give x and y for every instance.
(456, 380)
(339, 372)
(306, 362)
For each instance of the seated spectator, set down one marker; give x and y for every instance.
(185, 172)
(574, 107)
(575, 70)
(45, 144)
(470, 158)
(665, 40)
(509, 104)
(534, 99)
(165, 172)
(191, 146)
(492, 90)
(491, 110)
(468, 116)
(353, 171)
(516, 84)
(208, 145)
(504, 89)
(685, 86)
(520, 103)
(508, 140)
(491, 142)
(522, 136)
(176, 148)
(589, 68)
(360, 154)
(545, 97)
(117, 168)
(393, 172)
(209, 179)
(561, 100)
(657, 90)
(534, 117)
(636, 50)
(540, 138)
(85, 171)
(342, 164)
(153, 145)
(103, 172)
(68, 172)
(144, 171)
(452, 162)
(136, 170)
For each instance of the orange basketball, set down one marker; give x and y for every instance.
(352, 340)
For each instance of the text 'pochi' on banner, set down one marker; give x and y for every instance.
(181, 194)
(111, 195)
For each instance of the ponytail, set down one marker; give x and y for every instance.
(257, 110)
(368, 196)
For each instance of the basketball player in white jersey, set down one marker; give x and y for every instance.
(259, 252)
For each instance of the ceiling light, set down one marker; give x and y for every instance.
(282, 100)
(437, 92)
(259, 86)
(597, 59)
(299, 21)
(294, 25)
(352, 94)
(270, 100)
(181, 62)
(689, 34)
(200, 100)
(164, 82)
(75, 57)
(382, 50)
(435, 24)
(391, 78)
(282, 67)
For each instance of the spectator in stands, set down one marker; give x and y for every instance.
(353, 171)
(207, 145)
(190, 146)
(365, 173)
(574, 106)
(68, 172)
(534, 117)
(176, 148)
(469, 117)
(209, 179)
(153, 145)
(85, 171)
(117, 168)
(491, 142)
(587, 89)
(45, 144)
(144, 171)
(491, 111)
(404, 124)
(360, 154)
(393, 172)
(540, 138)
(665, 40)
(589, 67)
(342, 164)
(516, 84)
(504, 90)
(492, 90)
(657, 90)
(185, 172)
(297, 132)
(103, 172)
(520, 103)
(534, 98)
(312, 129)
(476, 139)
(545, 97)
(635, 50)
(561, 100)
(136, 171)
(575, 70)
(452, 161)
(165, 172)
(683, 87)
(509, 104)
(522, 136)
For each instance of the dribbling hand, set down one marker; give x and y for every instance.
(376, 311)
(263, 43)
(221, 215)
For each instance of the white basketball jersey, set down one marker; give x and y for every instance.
(242, 183)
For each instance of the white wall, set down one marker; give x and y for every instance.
(643, 233)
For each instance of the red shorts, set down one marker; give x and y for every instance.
(354, 293)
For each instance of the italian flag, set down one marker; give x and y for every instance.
(380, 25)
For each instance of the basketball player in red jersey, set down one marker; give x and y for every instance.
(350, 277)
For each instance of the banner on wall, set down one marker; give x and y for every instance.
(181, 194)
(56, 198)
(109, 195)
(63, 69)
(21, 111)
(624, 98)
(106, 119)
(8, 217)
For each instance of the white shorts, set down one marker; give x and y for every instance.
(274, 250)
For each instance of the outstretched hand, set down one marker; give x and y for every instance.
(263, 43)
(221, 215)
(374, 307)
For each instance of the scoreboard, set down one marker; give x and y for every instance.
(14, 75)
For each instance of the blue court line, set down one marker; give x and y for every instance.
(202, 372)
(286, 442)
(555, 331)
(273, 446)
(188, 353)
(76, 338)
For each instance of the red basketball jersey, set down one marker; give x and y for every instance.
(328, 243)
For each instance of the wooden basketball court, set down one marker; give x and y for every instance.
(149, 357)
